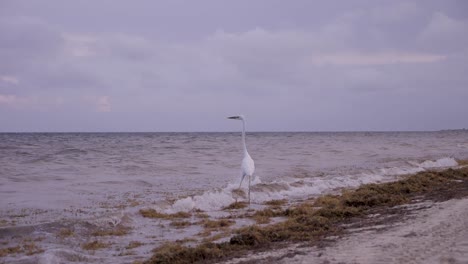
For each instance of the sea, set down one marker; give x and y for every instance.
(57, 189)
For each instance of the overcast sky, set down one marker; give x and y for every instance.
(174, 65)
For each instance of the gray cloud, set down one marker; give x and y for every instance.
(25, 41)
(360, 65)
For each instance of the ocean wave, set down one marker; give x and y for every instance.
(42, 159)
(71, 151)
(299, 189)
(443, 162)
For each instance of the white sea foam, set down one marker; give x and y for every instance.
(260, 193)
(210, 200)
(440, 163)
(207, 201)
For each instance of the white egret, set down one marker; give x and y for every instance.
(248, 166)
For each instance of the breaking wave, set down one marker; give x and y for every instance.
(297, 189)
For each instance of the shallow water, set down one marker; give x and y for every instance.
(52, 181)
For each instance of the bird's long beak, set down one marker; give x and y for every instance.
(233, 117)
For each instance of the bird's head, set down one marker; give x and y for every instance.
(239, 117)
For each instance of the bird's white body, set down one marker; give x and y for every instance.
(248, 165)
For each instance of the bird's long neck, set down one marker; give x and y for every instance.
(243, 138)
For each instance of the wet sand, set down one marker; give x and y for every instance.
(438, 234)
(431, 230)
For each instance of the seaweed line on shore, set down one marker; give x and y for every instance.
(318, 221)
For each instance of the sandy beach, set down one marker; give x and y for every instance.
(428, 233)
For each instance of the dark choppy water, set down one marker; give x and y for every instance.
(102, 177)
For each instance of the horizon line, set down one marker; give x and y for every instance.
(235, 131)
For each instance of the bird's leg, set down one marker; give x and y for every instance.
(242, 179)
(249, 190)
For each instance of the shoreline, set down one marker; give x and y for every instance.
(325, 222)
(424, 232)
(278, 232)
(435, 234)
